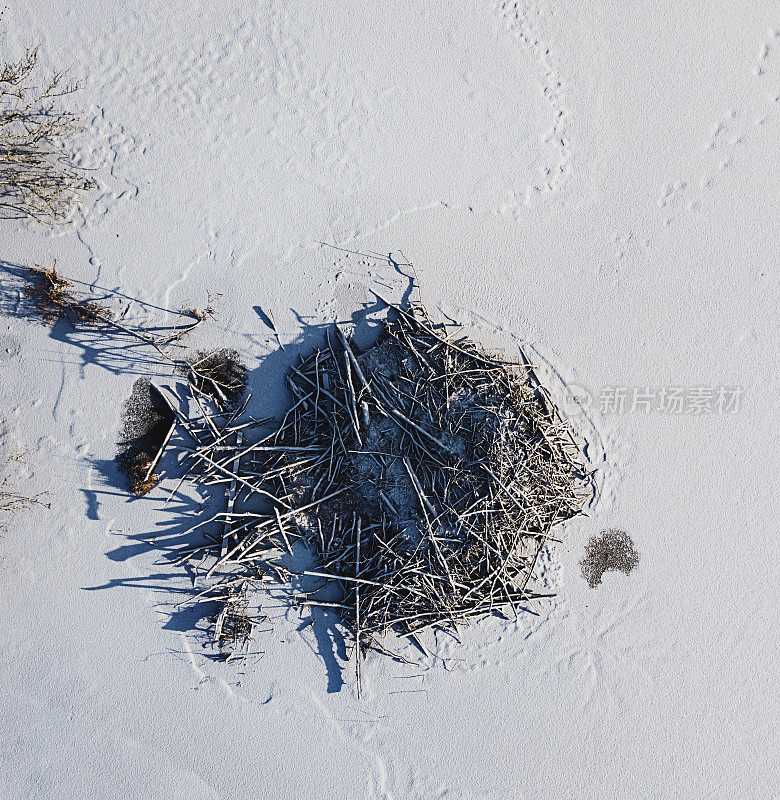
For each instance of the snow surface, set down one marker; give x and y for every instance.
(595, 180)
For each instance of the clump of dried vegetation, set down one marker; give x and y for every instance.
(148, 418)
(424, 476)
(218, 378)
(54, 298)
(39, 178)
(611, 550)
(11, 501)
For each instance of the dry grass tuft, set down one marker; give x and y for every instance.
(204, 313)
(54, 298)
(138, 469)
(219, 374)
(233, 624)
(146, 423)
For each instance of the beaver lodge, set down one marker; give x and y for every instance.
(423, 475)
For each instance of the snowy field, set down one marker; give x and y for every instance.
(596, 182)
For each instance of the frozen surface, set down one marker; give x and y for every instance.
(595, 180)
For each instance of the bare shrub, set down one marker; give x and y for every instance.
(11, 501)
(38, 176)
(423, 476)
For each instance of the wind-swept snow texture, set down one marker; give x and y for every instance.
(597, 181)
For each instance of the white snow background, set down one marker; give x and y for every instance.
(597, 181)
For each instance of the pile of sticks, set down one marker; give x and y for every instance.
(424, 476)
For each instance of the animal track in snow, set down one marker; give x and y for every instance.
(728, 136)
(10, 347)
(184, 65)
(525, 20)
(767, 51)
(341, 123)
(628, 252)
(296, 116)
(361, 741)
(603, 649)
(204, 678)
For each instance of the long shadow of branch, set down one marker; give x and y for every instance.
(101, 344)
